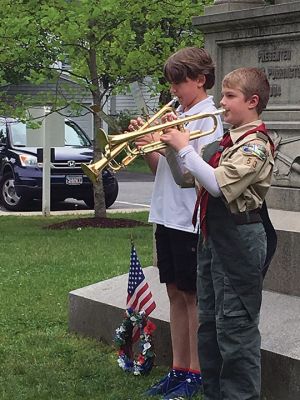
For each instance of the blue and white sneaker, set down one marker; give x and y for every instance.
(185, 390)
(166, 384)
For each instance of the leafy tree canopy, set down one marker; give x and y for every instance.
(106, 44)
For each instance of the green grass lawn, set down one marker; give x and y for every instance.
(39, 358)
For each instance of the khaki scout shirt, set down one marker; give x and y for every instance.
(244, 176)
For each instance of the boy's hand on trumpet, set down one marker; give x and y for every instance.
(146, 139)
(151, 158)
(174, 137)
(169, 117)
(136, 124)
(141, 141)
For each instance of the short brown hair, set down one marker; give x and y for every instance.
(190, 62)
(250, 81)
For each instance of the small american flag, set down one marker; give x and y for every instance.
(139, 295)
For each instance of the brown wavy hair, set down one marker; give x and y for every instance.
(190, 62)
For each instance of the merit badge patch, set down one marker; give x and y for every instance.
(256, 150)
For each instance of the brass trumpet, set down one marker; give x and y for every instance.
(115, 144)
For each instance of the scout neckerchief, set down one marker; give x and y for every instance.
(202, 198)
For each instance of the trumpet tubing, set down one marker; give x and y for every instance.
(131, 136)
(118, 143)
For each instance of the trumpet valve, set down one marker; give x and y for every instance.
(127, 160)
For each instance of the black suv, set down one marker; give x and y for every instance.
(21, 173)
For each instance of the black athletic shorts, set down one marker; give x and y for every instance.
(177, 257)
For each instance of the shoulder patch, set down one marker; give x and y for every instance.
(254, 149)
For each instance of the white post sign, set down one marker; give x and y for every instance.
(50, 134)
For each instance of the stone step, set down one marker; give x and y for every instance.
(284, 273)
(280, 332)
(97, 310)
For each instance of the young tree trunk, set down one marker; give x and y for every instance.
(99, 199)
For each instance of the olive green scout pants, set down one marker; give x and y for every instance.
(228, 337)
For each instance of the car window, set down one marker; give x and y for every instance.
(18, 134)
(3, 133)
(74, 136)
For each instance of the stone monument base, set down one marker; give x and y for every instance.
(97, 310)
(283, 198)
(232, 5)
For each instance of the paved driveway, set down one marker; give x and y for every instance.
(134, 194)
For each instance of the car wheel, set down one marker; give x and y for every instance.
(8, 195)
(110, 196)
(89, 202)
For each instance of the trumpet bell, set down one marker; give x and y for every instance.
(91, 172)
(102, 138)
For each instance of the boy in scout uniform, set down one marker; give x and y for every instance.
(234, 176)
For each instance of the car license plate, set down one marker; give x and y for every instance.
(74, 180)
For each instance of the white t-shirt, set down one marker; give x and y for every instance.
(171, 205)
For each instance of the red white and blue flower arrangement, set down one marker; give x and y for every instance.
(123, 341)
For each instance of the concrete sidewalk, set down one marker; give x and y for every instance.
(67, 212)
(135, 191)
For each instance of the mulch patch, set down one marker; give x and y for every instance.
(96, 223)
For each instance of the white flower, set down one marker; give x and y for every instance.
(147, 346)
(121, 363)
(136, 370)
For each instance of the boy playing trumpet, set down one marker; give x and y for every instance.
(234, 175)
(190, 73)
